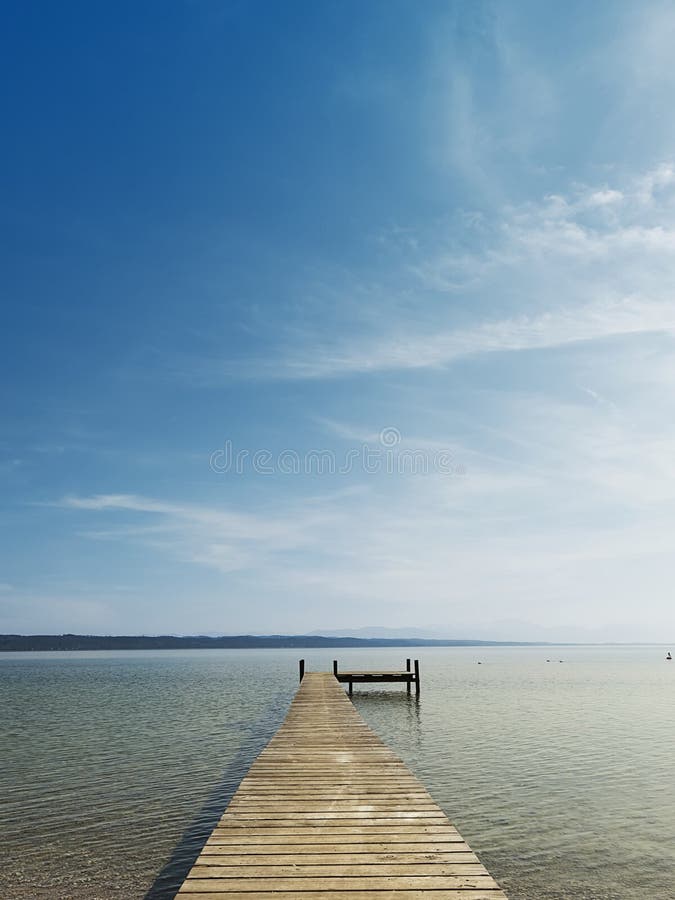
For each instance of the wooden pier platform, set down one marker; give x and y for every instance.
(329, 812)
(368, 676)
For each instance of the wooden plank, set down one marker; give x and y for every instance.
(309, 869)
(365, 894)
(336, 845)
(215, 856)
(386, 816)
(253, 790)
(344, 808)
(328, 811)
(328, 883)
(375, 673)
(394, 832)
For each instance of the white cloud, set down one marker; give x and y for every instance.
(604, 197)
(576, 511)
(565, 512)
(593, 265)
(224, 539)
(604, 319)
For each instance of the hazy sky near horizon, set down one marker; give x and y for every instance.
(419, 258)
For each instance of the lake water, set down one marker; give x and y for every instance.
(116, 765)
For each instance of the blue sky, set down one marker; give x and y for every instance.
(441, 234)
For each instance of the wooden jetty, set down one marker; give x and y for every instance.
(329, 812)
(368, 677)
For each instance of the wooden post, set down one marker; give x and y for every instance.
(417, 677)
(301, 665)
(351, 688)
(335, 671)
(407, 684)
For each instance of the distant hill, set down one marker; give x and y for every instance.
(381, 633)
(502, 631)
(14, 642)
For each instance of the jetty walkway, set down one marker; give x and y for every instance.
(328, 811)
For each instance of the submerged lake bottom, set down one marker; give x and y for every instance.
(555, 763)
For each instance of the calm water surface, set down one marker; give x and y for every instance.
(115, 766)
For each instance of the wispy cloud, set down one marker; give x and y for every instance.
(577, 505)
(593, 265)
(225, 539)
(604, 319)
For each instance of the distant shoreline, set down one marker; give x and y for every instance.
(14, 642)
(47, 642)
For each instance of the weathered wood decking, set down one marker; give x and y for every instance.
(366, 676)
(327, 811)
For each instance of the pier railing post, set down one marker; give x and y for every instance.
(301, 666)
(407, 684)
(335, 668)
(417, 677)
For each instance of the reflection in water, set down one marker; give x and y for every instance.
(402, 710)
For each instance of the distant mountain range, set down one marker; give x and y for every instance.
(14, 642)
(376, 631)
(508, 631)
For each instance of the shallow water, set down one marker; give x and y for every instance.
(116, 765)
